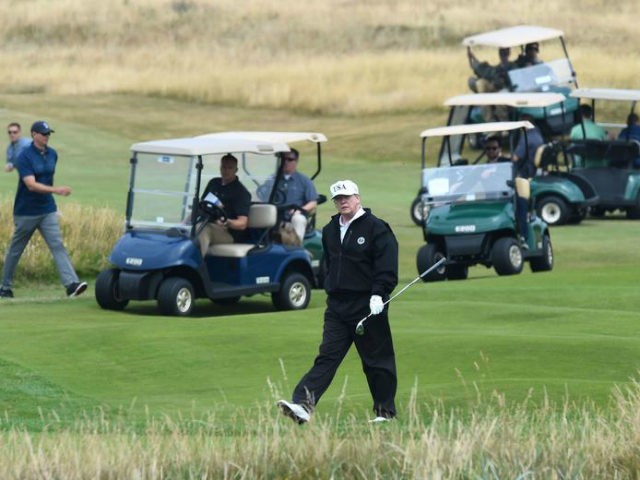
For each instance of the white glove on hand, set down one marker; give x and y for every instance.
(375, 304)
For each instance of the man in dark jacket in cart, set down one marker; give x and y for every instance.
(360, 272)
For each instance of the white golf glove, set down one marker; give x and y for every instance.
(375, 304)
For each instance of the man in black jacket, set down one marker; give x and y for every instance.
(360, 272)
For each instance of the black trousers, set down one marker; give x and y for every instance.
(375, 348)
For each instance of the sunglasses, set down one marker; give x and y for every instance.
(45, 134)
(13, 132)
(491, 148)
(290, 159)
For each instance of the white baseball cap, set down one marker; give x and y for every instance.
(343, 187)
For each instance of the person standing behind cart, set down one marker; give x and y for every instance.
(229, 194)
(360, 272)
(34, 209)
(16, 145)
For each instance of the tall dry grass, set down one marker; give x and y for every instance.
(492, 440)
(324, 56)
(88, 233)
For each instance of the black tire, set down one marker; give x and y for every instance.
(294, 293)
(633, 213)
(416, 211)
(427, 256)
(176, 297)
(544, 262)
(506, 256)
(457, 272)
(553, 210)
(226, 301)
(106, 290)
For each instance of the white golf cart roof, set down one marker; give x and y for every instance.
(512, 36)
(607, 94)
(475, 128)
(276, 137)
(511, 99)
(207, 145)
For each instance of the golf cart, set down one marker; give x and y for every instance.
(558, 196)
(611, 165)
(158, 256)
(548, 76)
(470, 210)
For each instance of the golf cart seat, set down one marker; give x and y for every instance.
(262, 217)
(546, 157)
(603, 153)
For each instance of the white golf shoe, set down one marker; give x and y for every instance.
(380, 420)
(295, 411)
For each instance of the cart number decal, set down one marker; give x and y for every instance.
(262, 279)
(465, 228)
(133, 261)
(166, 159)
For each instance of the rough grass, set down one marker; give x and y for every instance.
(321, 56)
(88, 233)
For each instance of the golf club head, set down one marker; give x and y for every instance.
(360, 328)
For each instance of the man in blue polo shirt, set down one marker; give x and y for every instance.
(294, 188)
(35, 209)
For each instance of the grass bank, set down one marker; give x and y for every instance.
(489, 440)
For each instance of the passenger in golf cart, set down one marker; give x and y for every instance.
(490, 78)
(296, 196)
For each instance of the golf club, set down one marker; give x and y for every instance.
(360, 325)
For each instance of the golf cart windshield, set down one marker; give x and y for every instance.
(467, 183)
(164, 186)
(544, 77)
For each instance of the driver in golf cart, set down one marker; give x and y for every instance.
(225, 205)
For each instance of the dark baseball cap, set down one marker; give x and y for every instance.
(41, 127)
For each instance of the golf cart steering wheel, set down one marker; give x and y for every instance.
(283, 210)
(211, 212)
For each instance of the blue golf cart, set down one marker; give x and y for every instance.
(158, 256)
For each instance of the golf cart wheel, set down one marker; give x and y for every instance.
(176, 297)
(633, 213)
(294, 294)
(416, 212)
(506, 256)
(429, 255)
(544, 262)
(457, 272)
(106, 290)
(553, 210)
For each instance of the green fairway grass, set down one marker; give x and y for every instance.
(570, 333)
